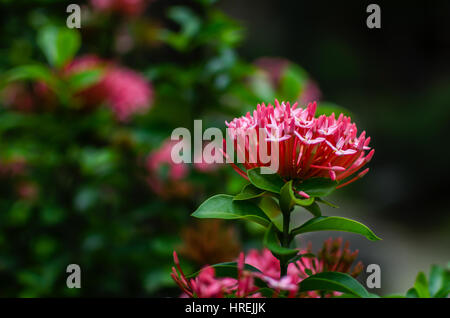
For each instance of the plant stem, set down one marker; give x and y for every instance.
(285, 241)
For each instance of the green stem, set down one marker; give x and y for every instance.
(285, 241)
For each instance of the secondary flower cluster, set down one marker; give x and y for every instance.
(125, 91)
(167, 178)
(308, 146)
(332, 257)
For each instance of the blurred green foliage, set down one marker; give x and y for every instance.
(82, 195)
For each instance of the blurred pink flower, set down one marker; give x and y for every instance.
(27, 190)
(177, 171)
(166, 177)
(124, 90)
(275, 68)
(207, 285)
(127, 7)
(203, 166)
(12, 167)
(16, 96)
(264, 261)
(127, 92)
(307, 146)
(332, 257)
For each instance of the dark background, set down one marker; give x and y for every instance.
(396, 80)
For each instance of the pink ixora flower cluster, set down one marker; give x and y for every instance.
(167, 178)
(307, 146)
(332, 257)
(122, 89)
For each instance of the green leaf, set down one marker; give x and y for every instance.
(421, 286)
(286, 202)
(437, 274)
(317, 187)
(272, 243)
(335, 223)
(334, 281)
(261, 86)
(249, 192)
(84, 79)
(269, 182)
(314, 209)
(288, 198)
(34, 72)
(292, 82)
(327, 203)
(327, 108)
(190, 25)
(444, 292)
(59, 44)
(394, 296)
(270, 207)
(222, 206)
(439, 284)
(228, 269)
(412, 293)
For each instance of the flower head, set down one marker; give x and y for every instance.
(165, 177)
(123, 90)
(306, 146)
(205, 285)
(332, 257)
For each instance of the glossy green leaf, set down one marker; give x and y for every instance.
(222, 206)
(261, 86)
(334, 281)
(320, 200)
(421, 286)
(444, 292)
(412, 293)
(286, 202)
(317, 187)
(34, 72)
(335, 223)
(249, 192)
(437, 286)
(292, 82)
(81, 80)
(59, 44)
(394, 296)
(439, 282)
(272, 243)
(327, 108)
(269, 182)
(271, 208)
(436, 279)
(314, 209)
(288, 198)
